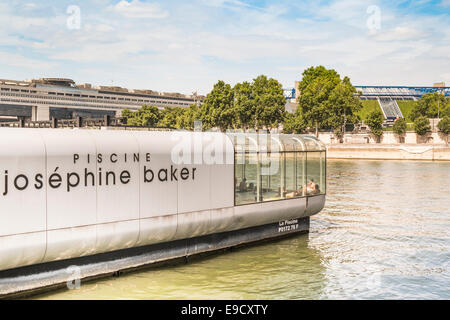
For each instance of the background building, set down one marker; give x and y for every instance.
(45, 98)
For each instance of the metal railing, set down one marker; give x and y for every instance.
(80, 122)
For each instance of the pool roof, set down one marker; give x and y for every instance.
(254, 142)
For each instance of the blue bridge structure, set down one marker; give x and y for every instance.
(395, 92)
(399, 92)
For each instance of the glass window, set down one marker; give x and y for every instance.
(246, 178)
(289, 166)
(315, 174)
(323, 173)
(238, 172)
(300, 173)
(271, 169)
(289, 175)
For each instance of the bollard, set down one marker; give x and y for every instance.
(54, 123)
(107, 120)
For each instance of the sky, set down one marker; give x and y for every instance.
(187, 46)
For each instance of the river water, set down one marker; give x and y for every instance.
(384, 234)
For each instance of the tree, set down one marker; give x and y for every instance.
(190, 115)
(429, 104)
(171, 117)
(327, 100)
(217, 108)
(444, 126)
(269, 102)
(422, 125)
(127, 114)
(342, 105)
(294, 123)
(445, 110)
(399, 127)
(375, 122)
(244, 105)
(259, 104)
(147, 116)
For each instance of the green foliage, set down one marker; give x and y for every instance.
(342, 106)
(171, 117)
(294, 123)
(368, 106)
(422, 125)
(259, 104)
(190, 115)
(428, 105)
(444, 125)
(326, 100)
(269, 102)
(127, 114)
(217, 109)
(375, 122)
(406, 107)
(147, 116)
(399, 127)
(315, 89)
(244, 105)
(445, 110)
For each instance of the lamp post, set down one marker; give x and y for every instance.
(438, 109)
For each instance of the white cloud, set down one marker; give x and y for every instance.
(223, 3)
(16, 60)
(29, 6)
(137, 9)
(400, 33)
(104, 28)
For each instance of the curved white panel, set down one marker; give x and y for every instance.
(222, 220)
(71, 157)
(159, 175)
(268, 212)
(194, 186)
(193, 224)
(219, 155)
(315, 204)
(157, 229)
(116, 235)
(22, 162)
(117, 176)
(21, 249)
(70, 242)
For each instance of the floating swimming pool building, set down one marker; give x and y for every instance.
(96, 197)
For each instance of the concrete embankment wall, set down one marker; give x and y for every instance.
(388, 138)
(389, 152)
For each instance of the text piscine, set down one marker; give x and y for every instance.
(57, 179)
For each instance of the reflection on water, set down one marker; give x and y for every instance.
(383, 234)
